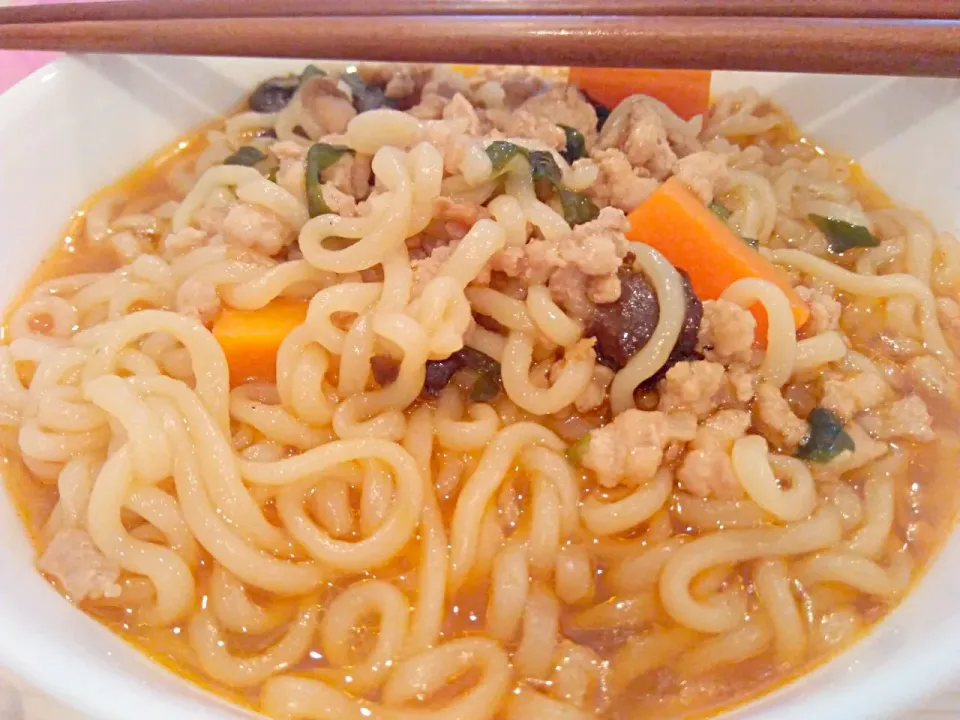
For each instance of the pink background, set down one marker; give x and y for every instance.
(15, 66)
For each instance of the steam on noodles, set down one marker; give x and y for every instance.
(364, 405)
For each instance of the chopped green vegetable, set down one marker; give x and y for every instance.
(827, 438)
(720, 211)
(578, 208)
(320, 156)
(488, 383)
(246, 155)
(576, 146)
(310, 71)
(841, 235)
(501, 153)
(576, 452)
(476, 360)
(366, 97)
(542, 164)
(547, 176)
(272, 175)
(485, 389)
(544, 167)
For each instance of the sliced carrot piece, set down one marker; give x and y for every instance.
(675, 222)
(686, 92)
(251, 338)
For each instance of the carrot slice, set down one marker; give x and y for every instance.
(251, 338)
(686, 92)
(675, 222)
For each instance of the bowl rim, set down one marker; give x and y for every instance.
(923, 668)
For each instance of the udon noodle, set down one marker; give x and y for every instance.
(364, 404)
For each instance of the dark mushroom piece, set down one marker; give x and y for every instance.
(622, 328)
(440, 372)
(274, 94)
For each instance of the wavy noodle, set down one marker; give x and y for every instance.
(779, 360)
(481, 487)
(640, 655)
(720, 613)
(555, 324)
(774, 589)
(621, 515)
(669, 288)
(291, 697)
(734, 646)
(393, 532)
(885, 286)
(428, 615)
(756, 214)
(349, 612)
(853, 570)
(520, 388)
(170, 575)
(815, 352)
(755, 469)
(878, 507)
(236, 612)
(510, 585)
(216, 660)
(375, 235)
(513, 314)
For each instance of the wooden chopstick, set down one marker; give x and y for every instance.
(198, 9)
(876, 47)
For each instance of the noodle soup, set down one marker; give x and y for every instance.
(370, 400)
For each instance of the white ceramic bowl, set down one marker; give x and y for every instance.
(82, 122)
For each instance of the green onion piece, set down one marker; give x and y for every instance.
(578, 208)
(501, 153)
(841, 235)
(576, 146)
(476, 360)
(272, 175)
(578, 450)
(246, 155)
(320, 156)
(544, 167)
(485, 389)
(827, 438)
(488, 383)
(720, 211)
